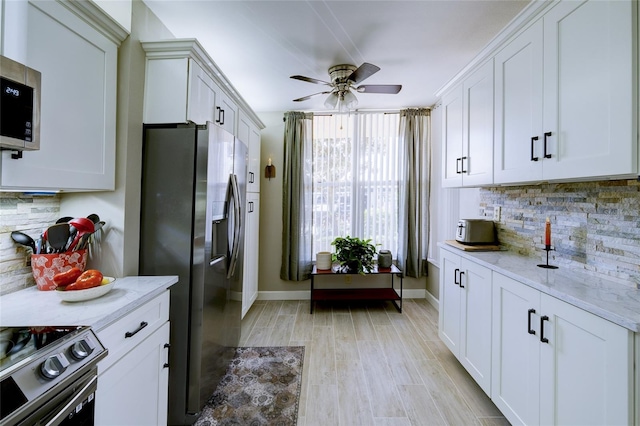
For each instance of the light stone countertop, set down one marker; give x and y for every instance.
(612, 301)
(32, 308)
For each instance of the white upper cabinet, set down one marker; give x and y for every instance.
(518, 117)
(77, 55)
(590, 72)
(177, 87)
(183, 85)
(452, 111)
(468, 131)
(249, 133)
(477, 135)
(566, 99)
(226, 113)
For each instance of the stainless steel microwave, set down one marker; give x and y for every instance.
(19, 106)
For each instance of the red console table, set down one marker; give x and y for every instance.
(386, 293)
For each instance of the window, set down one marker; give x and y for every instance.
(356, 179)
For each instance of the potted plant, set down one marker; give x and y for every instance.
(355, 255)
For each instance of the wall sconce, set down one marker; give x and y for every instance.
(270, 170)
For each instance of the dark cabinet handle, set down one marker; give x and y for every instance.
(168, 348)
(218, 110)
(531, 311)
(542, 320)
(463, 170)
(143, 324)
(461, 274)
(455, 276)
(251, 177)
(250, 206)
(533, 139)
(458, 160)
(546, 135)
(221, 117)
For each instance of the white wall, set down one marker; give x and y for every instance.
(121, 208)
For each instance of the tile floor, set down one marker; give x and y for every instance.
(367, 364)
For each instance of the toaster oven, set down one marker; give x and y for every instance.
(476, 231)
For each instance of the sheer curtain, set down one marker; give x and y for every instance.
(414, 202)
(296, 197)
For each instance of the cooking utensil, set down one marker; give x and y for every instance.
(23, 239)
(84, 241)
(94, 218)
(84, 226)
(58, 236)
(64, 219)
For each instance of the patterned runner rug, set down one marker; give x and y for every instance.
(261, 387)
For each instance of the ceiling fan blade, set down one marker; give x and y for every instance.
(379, 88)
(364, 71)
(309, 79)
(304, 98)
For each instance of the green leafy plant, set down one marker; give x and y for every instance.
(354, 254)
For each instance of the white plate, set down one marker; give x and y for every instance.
(88, 294)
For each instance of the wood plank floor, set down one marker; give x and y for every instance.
(367, 364)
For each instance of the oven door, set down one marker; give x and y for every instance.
(74, 405)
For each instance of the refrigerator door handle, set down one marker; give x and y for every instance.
(217, 259)
(235, 248)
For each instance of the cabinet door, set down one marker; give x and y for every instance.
(515, 373)
(134, 391)
(251, 250)
(449, 314)
(475, 321)
(589, 96)
(518, 112)
(226, 113)
(78, 109)
(452, 112)
(202, 95)
(586, 368)
(250, 134)
(477, 149)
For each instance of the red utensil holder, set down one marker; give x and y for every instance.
(45, 266)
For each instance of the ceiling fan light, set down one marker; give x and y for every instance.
(331, 101)
(350, 100)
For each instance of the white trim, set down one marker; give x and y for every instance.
(306, 295)
(432, 300)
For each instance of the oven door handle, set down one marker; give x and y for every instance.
(80, 396)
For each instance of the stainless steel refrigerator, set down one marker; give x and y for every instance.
(192, 213)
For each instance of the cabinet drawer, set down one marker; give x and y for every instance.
(127, 332)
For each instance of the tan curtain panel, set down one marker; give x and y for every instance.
(296, 197)
(414, 202)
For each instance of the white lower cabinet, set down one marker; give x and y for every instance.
(556, 364)
(465, 315)
(251, 250)
(133, 380)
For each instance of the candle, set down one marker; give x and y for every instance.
(547, 232)
(269, 163)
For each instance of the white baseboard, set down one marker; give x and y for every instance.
(432, 300)
(306, 295)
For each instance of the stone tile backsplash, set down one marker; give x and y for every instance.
(595, 225)
(30, 214)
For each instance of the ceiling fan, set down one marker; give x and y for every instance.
(344, 79)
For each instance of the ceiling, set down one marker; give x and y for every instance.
(419, 44)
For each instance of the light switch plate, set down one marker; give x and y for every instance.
(497, 212)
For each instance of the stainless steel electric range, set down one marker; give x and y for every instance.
(48, 375)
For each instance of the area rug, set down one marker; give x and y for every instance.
(261, 387)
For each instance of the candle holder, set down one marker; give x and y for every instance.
(547, 248)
